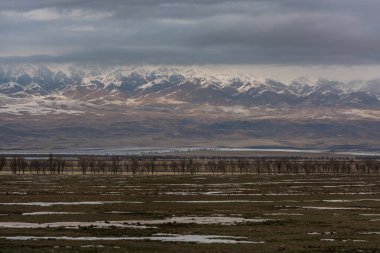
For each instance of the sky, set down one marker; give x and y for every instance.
(331, 37)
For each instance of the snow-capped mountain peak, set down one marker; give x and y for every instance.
(179, 84)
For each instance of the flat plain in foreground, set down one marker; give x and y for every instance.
(298, 213)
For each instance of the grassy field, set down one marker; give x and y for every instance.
(314, 213)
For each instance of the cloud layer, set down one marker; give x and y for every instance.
(290, 32)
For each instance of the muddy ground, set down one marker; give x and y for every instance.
(315, 213)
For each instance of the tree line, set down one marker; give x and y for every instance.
(136, 165)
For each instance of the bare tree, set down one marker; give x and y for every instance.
(34, 166)
(135, 166)
(3, 162)
(83, 164)
(13, 165)
(115, 164)
(60, 164)
(101, 166)
(18, 165)
(152, 166)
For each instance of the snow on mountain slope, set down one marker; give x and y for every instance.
(372, 87)
(177, 85)
(42, 105)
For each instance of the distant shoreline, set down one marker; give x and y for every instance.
(241, 151)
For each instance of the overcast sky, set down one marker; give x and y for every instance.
(187, 32)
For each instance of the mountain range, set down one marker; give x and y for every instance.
(182, 86)
(63, 106)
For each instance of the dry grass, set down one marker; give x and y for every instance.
(310, 213)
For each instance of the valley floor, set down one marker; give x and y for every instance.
(299, 213)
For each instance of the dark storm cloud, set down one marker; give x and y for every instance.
(191, 32)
